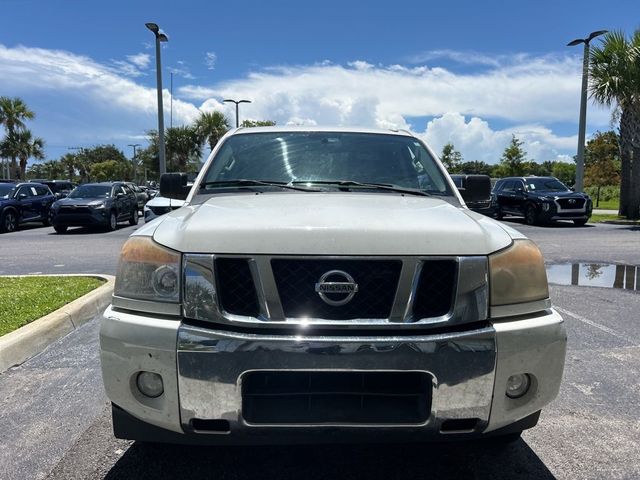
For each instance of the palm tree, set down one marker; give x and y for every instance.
(615, 81)
(211, 126)
(183, 147)
(13, 113)
(27, 146)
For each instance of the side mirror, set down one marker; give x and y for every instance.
(174, 185)
(119, 195)
(22, 196)
(477, 188)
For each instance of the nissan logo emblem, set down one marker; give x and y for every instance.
(336, 288)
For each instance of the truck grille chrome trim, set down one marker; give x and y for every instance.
(264, 291)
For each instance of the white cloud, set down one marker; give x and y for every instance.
(67, 74)
(526, 90)
(210, 59)
(140, 60)
(522, 94)
(477, 141)
(465, 58)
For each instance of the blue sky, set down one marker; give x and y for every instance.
(468, 72)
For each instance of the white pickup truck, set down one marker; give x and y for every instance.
(326, 285)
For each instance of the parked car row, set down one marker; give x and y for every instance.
(64, 204)
(538, 200)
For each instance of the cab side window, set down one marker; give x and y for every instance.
(42, 191)
(24, 191)
(509, 186)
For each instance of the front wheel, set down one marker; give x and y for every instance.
(134, 218)
(530, 216)
(8, 222)
(497, 213)
(60, 228)
(580, 223)
(112, 224)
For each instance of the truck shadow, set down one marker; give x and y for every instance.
(372, 461)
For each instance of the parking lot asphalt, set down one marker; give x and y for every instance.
(40, 250)
(56, 424)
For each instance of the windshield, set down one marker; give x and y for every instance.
(6, 190)
(546, 185)
(91, 191)
(326, 157)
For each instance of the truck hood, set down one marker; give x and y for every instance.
(329, 223)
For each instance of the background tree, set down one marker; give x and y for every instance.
(451, 158)
(184, 149)
(614, 73)
(602, 161)
(513, 157)
(13, 113)
(565, 172)
(211, 126)
(28, 147)
(110, 170)
(476, 167)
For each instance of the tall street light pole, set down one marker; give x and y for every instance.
(160, 37)
(579, 186)
(237, 102)
(134, 159)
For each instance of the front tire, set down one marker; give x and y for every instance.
(8, 222)
(134, 218)
(530, 216)
(497, 213)
(112, 223)
(580, 223)
(60, 228)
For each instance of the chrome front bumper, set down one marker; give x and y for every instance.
(202, 370)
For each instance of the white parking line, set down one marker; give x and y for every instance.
(593, 324)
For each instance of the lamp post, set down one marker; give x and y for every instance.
(237, 102)
(133, 160)
(160, 37)
(579, 186)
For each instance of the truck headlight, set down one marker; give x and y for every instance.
(148, 271)
(517, 274)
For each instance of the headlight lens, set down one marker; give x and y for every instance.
(148, 271)
(97, 205)
(517, 274)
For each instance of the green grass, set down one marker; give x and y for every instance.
(613, 204)
(25, 299)
(595, 218)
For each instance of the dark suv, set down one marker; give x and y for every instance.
(539, 200)
(23, 202)
(60, 188)
(95, 204)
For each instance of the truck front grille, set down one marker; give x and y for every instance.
(336, 398)
(436, 289)
(236, 288)
(296, 280)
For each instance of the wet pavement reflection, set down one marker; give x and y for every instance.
(625, 277)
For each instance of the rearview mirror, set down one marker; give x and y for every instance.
(174, 185)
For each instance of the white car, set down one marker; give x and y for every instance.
(321, 284)
(159, 205)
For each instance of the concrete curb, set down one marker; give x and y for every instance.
(29, 340)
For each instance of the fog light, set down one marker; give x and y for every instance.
(150, 384)
(518, 385)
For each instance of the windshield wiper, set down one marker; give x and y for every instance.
(378, 186)
(255, 183)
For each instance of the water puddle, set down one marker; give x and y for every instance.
(626, 277)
